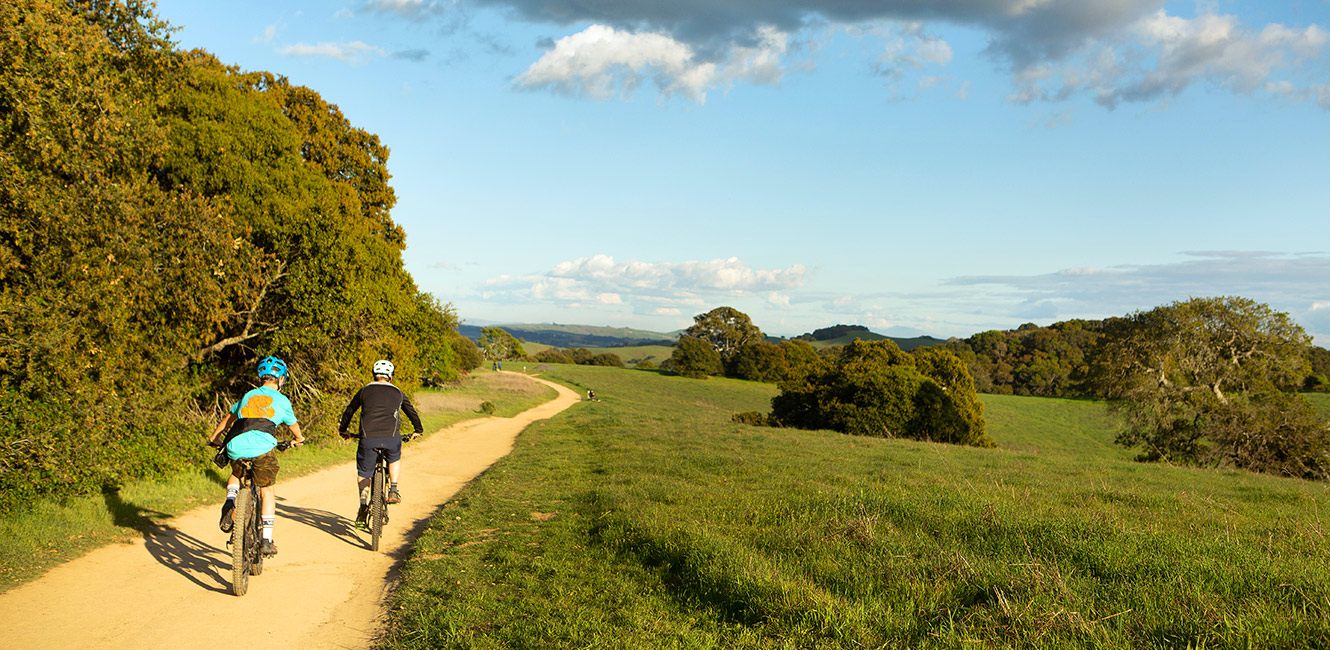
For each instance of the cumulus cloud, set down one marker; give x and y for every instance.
(352, 52)
(648, 287)
(602, 62)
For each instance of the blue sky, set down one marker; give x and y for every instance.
(938, 167)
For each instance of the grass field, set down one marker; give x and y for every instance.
(51, 533)
(648, 519)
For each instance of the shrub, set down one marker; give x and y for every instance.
(553, 355)
(645, 364)
(696, 358)
(487, 407)
(607, 359)
(874, 389)
(752, 419)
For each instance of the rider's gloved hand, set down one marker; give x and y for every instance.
(344, 434)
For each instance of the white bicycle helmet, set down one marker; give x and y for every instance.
(384, 367)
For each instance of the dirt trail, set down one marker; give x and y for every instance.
(325, 589)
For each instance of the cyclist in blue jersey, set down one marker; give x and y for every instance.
(378, 402)
(247, 432)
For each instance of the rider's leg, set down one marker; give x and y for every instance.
(362, 485)
(229, 505)
(268, 495)
(394, 469)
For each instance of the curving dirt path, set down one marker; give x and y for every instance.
(325, 589)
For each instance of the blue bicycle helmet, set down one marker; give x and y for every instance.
(272, 366)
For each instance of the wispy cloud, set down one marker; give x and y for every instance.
(353, 52)
(1291, 282)
(416, 55)
(411, 9)
(268, 34)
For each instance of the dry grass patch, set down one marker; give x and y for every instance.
(513, 383)
(432, 402)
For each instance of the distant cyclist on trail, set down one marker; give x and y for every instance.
(379, 401)
(249, 433)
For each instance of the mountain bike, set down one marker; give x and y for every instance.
(378, 495)
(247, 533)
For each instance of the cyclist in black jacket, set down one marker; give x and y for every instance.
(379, 401)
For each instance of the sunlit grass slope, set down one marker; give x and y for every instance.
(648, 519)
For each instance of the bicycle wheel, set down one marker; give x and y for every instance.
(255, 536)
(378, 506)
(241, 531)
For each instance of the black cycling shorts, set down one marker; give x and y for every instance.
(365, 455)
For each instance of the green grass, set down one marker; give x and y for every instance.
(50, 533)
(648, 519)
(1319, 401)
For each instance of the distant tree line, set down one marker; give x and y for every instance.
(1056, 360)
(165, 221)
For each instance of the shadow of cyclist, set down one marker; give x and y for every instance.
(322, 520)
(185, 554)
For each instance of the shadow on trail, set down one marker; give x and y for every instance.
(322, 520)
(185, 554)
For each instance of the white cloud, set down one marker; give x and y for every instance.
(778, 300)
(907, 49)
(1161, 55)
(352, 52)
(647, 287)
(602, 62)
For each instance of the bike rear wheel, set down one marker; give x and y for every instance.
(378, 506)
(241, 533)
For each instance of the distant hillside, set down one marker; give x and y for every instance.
(576, 336)
(844, 334)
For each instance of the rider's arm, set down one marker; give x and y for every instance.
(346, 414)
(411, 414)
(219, 434)
(295, 429)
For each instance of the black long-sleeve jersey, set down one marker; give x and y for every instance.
(379, 403)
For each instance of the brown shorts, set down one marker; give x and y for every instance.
(265, 468)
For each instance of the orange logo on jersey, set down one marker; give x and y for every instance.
(258, 406)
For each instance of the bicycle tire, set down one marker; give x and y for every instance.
(241, 531)
(378, 506)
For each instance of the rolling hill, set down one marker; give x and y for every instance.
(576, 336)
